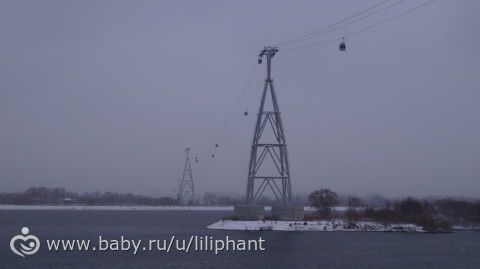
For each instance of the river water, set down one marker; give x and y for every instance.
(283, 249)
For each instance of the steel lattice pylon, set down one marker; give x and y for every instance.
(279, 180)
(185, 185)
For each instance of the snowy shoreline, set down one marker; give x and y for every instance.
(321, 226)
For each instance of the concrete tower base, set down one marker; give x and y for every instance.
(250, 212)
(287, 212)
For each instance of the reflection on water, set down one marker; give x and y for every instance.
(284, 249)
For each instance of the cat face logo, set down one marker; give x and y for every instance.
(24, 244)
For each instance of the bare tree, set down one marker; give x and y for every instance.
(323, 200)
(353, 205)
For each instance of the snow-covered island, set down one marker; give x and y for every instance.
(320, 225)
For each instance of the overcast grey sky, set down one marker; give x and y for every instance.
(105, 95)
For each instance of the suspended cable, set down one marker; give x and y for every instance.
(349, 23)
(314, 44)
(226, 130)
(391, 19)
(229, 133)
(255, 91)
(331, 25)
(245, 88)
(363, 29)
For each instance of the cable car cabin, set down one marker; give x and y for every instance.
(342, 46)
(245, 113)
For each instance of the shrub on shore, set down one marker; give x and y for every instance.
(423, 213)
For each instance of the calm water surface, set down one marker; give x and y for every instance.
(284, 249)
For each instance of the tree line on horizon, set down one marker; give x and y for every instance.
(430, 212)
(60, 196)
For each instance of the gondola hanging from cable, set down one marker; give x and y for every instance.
(342, 46)
(245, 113)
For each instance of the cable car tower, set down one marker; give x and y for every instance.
(186, 192)
(274, 149)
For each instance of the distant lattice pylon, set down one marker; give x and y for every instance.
(186, 192)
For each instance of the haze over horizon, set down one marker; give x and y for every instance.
(105, 95)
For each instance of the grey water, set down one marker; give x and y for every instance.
(283, 249)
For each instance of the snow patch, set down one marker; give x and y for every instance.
(322, 225)
(466, 227)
